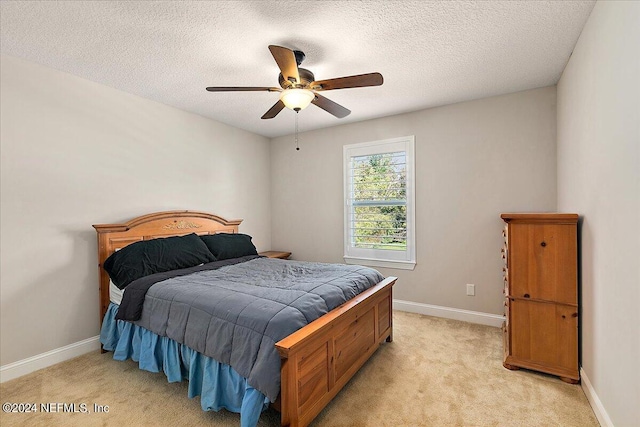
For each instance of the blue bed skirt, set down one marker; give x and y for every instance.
(218, 385)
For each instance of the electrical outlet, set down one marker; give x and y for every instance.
(471, 289)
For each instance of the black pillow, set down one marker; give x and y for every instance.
(226, 246)
(155, 256)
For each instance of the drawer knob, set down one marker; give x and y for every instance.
(543, 244)
(526, 295)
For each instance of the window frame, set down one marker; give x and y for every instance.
(405, 260)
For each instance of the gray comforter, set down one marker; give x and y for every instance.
(236, 314)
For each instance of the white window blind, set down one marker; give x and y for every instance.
(379, 203)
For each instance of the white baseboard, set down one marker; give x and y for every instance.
(32, 364)
(449, 313)
(594, 400)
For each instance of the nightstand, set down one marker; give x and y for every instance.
(276, 254)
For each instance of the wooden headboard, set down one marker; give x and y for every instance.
(112, 237)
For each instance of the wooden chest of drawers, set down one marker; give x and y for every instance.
(540, 255)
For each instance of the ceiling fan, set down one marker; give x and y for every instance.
(298, 87)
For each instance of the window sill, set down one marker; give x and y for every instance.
(401, 265)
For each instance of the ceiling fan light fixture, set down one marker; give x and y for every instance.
(297, 99)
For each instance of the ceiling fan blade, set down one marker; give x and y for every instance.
(242, 89)
(286, 60)
(273, 111)
(361, 80)
(331, 107)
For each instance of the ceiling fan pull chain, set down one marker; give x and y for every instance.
(296, 132)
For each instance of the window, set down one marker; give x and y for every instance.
(379, 219)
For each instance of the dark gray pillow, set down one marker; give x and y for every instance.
(156, 256)
(227, 246)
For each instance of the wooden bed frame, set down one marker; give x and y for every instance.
(317, 360)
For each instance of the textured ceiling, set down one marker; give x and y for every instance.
(430, 53)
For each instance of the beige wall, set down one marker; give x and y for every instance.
(75, 153)
(599, 177)
(474, 160)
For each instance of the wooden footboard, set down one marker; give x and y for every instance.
(319, 359)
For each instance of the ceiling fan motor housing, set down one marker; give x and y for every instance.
(306, 77)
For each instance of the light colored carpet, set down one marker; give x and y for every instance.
(437, 372)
